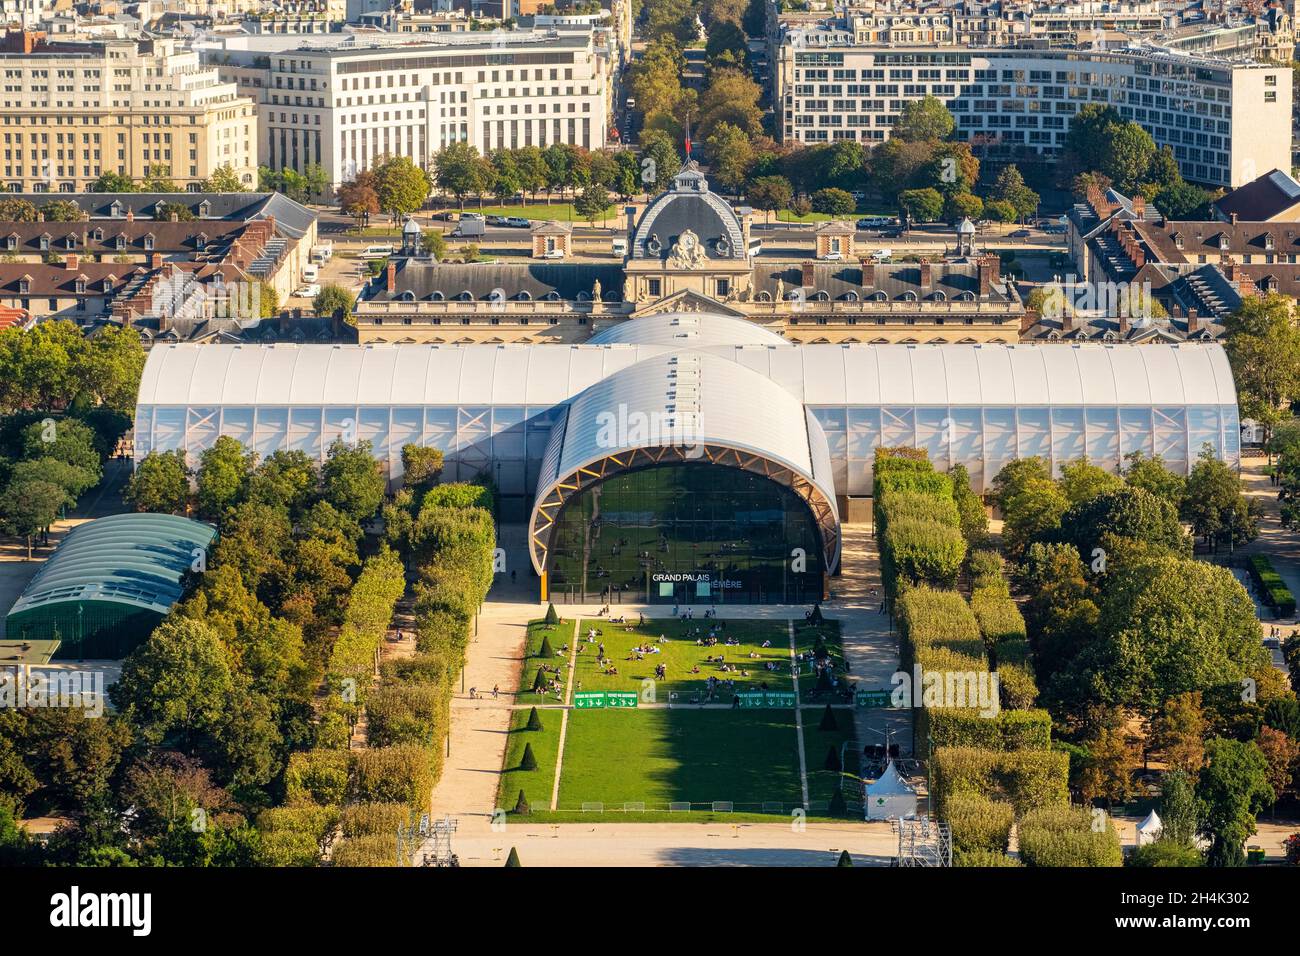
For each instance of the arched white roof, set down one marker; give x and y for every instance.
(689, 330)
(695, 402)
(856, 374)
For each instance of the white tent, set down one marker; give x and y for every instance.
(1149, 829)
(890, 797)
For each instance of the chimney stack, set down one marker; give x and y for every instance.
(1123, 325)
(1193, 324)
(925, 273)
(72, 261)
(989, 267)
(809, 279)
(1233, 218)
(130, 215)
(391, 278)
(155, 260)
(868, 273)
(1140, 206)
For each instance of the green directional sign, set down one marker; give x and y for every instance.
(585, 699)
(620, 698)
(770, 698)
(873, 698)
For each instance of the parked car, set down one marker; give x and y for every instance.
(308, 291)
(553, 254)
(891, 233)
(375, 252)
(497, 221)
(833, 257)
(516, 222)
(1020, 234)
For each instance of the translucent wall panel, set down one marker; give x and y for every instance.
(406, 428)
(933, 434)
(508, 449)
(1203, 428)
(1231, 434)
(202, 427)
(968, 442)
(237, 423)
(863, 439)
(340, 425)
(305, 431)
(1135, 431)
(834, 423)
(143, 431)
(440, 429)
(372, 426)
(897, 427)
(1170, 433)
(168, 429)
(1103, 437)
(999, 440)
(1067, 436)
(1034, 433)
(270, 430)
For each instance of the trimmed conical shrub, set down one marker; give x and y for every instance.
(833, 758)
(545, 650)
(528, 761)
(534, 720)
(551, 616)
(816, 617)
(828, 720)
(838, 808)
(521, 805)
(845, 859)
(513, 858)
(539, 682)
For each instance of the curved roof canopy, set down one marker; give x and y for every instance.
(685, 406)
(134, 559)
(687, 330)
(850, 374)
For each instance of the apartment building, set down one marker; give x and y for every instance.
(1227, 122)
(72, 111)
(343, 102)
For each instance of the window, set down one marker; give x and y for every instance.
(653, 286)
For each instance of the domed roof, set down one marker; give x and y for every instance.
(688, 329)
(689, 223)
(411, 227)
(965, 227)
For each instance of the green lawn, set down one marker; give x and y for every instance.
(537, 784)
(682, 655)
(817, 745)
(558, 635)
(689, 756)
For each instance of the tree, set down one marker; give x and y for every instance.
(60, 210)
(30, 507)
(593, 203)
(731, 97)
(73, 480)
(999, 210)
(1178, 733)
(67, 439)
(1123, 512)
(1183, 200)
(17, 210)
(285, 480)
(158, 179)
(664, 162)
(175, 211)
(921, 205)
(333, 302)
(834, 202)
(161, 483)
(1214, 504)
(731, 151)
(1082, 481)
(1231, 790)
(110, 182)
(1263, 346)
(177, 683)
(223, 180)
(1107, 770)
(923, 120)
(1082, 184)
(352, 480)
(961, 206)
(512, 860)
(1030, 502)
(1280, 753)
(222, 477)
(1151, 474)
(1129, 152)
(1010, 188)
(1178, 813)
(770, 193)
(359, 198)
(534, 720)
(401, 186)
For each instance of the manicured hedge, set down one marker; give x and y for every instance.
(1009, 730)
(930, 618)
(1026, 778)
(1064, 836)
(401, 774)
(375, 849)
(924, 552)
(363, 819)
(1018, 687)
(999, 617)
(983, 858)
(296, 835)
(979, 823)
(406, 714)
(985, 570)
(915, 505)
(317, 776)
(459, 494)
(1271, 586)
(366, 620)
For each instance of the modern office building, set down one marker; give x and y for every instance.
(688, 449)
(70, 111)
(1227, 122)
(343, 101)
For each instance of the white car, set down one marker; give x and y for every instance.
(553, 254)
(375, 252)
(833, 257)
(309, 291)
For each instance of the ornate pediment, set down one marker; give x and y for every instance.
(687, 252)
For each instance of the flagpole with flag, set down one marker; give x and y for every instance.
(688, 137)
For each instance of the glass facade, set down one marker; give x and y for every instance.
(984, 438)
(691, 533)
